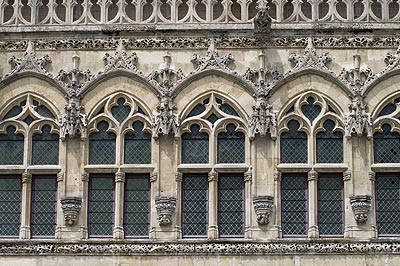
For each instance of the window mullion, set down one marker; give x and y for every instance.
(25, 232)
(118, 232)
(313, 231)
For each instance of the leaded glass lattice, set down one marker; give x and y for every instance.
(101, 206)
(42, 110)
(330, 204)
(121, 111)
(198, 109)
(294, 204)
(294, 144)
(137, 144)
(43, 205)
(227, 109)
(329, 144)
(102, 145)
(311, 110)
(10, 205)
(136, 205)
(386, 146)
(387, 203)
(231, 146)
(12, 147)
(231, 204)
(16, 110)
(45, 147)
(389, 108)
(194, 205)
(195, 146)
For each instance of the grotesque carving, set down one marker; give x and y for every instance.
(262, 20)
(73, 121)
(263, 206)
(361, 204)
(165, 208)
(71, 207)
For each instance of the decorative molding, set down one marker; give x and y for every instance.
(361, 204)
(213, 176)
(178, 177)
(73, 121)
(248, 175)
(346, 176)
(71, 207)
(85, 177)
(153, 177)
(263, 206)
(26, 177)
(371, 176)
(113, 248)
(165, 207)
(312, 175)
(29, 63)
(277, 176)
(119, 176)
(262, 20)
(60, 176)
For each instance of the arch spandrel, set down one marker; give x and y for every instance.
(382, 91)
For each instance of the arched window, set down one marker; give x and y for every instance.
(137, 145)
(329, 144)
(12, 145)
(294, 147)
(45, 147)
(387, 145)
(195, 146)
(231, 146)
(102, 145)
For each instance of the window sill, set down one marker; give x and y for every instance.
(385, 167)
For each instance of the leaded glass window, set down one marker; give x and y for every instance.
(231, 146)
(16, 110)
(101, 206)
(102, 145)
(198, 109)
(231, 205)
(137, 148)
(43, 205)
(10, 205)
(42, 110)
(195, 146)
(294, 144)
(329, 144)
(294, 204)
(387, 189)
(136, 205)
(121, 111)
(195, 205)
(45, 147)
(227, 109)
(389, 108)
(12, 147)
(386, 146)
(330, 204)
(311, 110)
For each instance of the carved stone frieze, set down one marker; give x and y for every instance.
(165, 118)
(262, 20)
(263, 206)
(73, 122)
(29, 62)
(361, 204)
(71, 207)
(165, 207)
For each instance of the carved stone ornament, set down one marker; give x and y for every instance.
(165, 207)
(392, 62)
(263, 206)
(29, 63)
(356, 77)
(71, 207)
(263, 119)
(120, 60)
(361, 204)
(358, 120)
(166, 120)
(73, 122)
(262, 20)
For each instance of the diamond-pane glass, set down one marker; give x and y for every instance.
(390, 108)
(294, 204)
(137, 205)
(137, 148)
(13, 144)
(101, 206)
(10, 205)
(330, 204)
(311, 110)
(231, 146)
(294, 146)
(43, 205)
(42, 110)
(198, 109)
(102, 146)
(45, 148)
(195, 205)
(195, 146)
(121, 111)
(16, 110)
(386, 146)
(227, 109)
(329, 144)
(388, 204)
(231, 205)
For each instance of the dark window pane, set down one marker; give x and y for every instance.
(386, 146)
(10, 205)
(45, 148)
(13, 144)
(137, 148)
(387, 189)
(121, 111)
(195, 146)
(294, 146)
(231, 146)
(311, 110)
(329, 144)
(102, 146)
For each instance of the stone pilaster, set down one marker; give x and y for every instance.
(212, 205)
(118, 232)
(25, 230)
(313, 231)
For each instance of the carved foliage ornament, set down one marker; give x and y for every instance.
(73, 122)
(71, 207)
(165, 118)
(262, 20)
(165, 207)
(361, 204)
(358, 120)
(263, 206)
(263, 119)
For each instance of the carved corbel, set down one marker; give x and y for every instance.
(165, 207)
(73, 122)
(262, 20)
(361, 204)
(263, 206)
(71, 207)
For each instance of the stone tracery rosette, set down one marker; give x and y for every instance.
(361, 204)
(165, 207)
(71, 207)
(263, 206)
